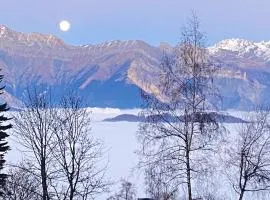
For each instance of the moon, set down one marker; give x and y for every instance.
(64, 25)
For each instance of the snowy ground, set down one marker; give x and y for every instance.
(121, 143)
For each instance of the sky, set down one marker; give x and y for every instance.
(154, 21)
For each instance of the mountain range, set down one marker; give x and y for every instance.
(111, 74)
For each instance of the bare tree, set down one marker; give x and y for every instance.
(33, 126)
(57, 138)
(248, 163)
(178, 130)
(77, 152)
(127, 192)
(158, 185)
(21, 184)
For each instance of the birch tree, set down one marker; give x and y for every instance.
(178, 129)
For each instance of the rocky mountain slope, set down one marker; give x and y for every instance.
(110, 74)
(245, 80)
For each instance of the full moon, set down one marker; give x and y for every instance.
(64, 25)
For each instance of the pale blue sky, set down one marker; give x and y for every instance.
(154, 21)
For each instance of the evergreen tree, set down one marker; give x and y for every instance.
(4, 126)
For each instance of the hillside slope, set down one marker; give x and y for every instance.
(110, 74)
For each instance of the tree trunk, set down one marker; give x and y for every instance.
(187, 155)
(241, 195)
(45, 195)
(71, 194)
(243, 189)
(188, 177)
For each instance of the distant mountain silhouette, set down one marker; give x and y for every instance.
(222, 118)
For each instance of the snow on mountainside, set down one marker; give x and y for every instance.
(243, 48)
(246, 72)
(110, 74)
(248, 52)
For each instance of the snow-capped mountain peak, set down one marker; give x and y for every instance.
(243, 48)
(236, 45)
(18, 38)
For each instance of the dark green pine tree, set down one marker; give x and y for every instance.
(4, 126)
